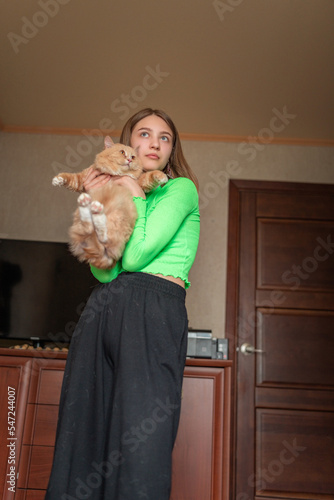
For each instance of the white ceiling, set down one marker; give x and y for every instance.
(218, 67)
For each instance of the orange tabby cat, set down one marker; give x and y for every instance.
(105, 218)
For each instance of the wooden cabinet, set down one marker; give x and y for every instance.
(40, 426)
(202, 450)
(15, 374)
(36, 377)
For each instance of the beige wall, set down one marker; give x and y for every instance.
(31, 208)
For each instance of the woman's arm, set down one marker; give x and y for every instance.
(106, 275)
(154, 231)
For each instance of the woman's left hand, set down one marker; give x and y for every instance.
(95, 179)
(129, 183)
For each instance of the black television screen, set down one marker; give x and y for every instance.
(43, 290)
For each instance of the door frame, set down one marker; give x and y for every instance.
(238, 216)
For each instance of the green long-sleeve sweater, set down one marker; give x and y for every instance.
(165, 237)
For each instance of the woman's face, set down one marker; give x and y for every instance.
(153, 140)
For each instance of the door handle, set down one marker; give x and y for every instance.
(249, 349)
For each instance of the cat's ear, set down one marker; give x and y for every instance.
(108, 142)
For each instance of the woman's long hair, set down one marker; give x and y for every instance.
(177, 162)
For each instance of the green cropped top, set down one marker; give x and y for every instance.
(165, 237)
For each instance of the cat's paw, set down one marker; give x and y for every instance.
(58, 181)
(84, 200)
(160, 178)
(96, 207)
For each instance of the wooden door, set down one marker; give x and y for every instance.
(280, 302)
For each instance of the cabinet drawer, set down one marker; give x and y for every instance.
(40, 467)
(20, 495)
(45, 425)
(41, 424)
(35, 467)
(35, 495)
(46, 381)
(30, 495)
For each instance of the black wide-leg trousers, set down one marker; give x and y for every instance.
(121, 395)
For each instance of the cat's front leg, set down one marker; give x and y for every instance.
(74, 182)
(67, 180)
(151, 180)
(99, 221)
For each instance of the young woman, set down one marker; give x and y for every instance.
(121, 395)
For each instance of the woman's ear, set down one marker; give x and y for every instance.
(108, 142)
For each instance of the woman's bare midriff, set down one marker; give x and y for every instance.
(178, 281)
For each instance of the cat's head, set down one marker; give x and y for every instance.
(118, 159)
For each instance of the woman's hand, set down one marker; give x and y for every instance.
(95, 179)
(130, 184)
